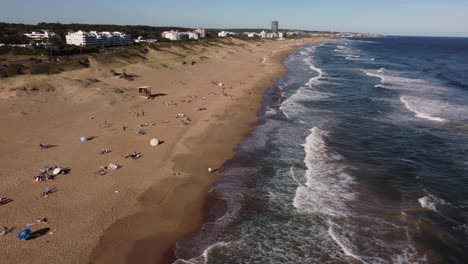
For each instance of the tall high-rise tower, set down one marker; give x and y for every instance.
(274, 26)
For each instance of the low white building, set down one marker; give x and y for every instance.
(175, 35)
(201, 32)
(44, 34)
(263, 34)
(272, 35)
(99, 39)
(223, 34)
(193, 35)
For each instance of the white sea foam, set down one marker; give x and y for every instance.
(327, 186)
(293, 107)
(346, 249)
(375, 74)
(354, 58)
(270, 111)
(291, 171)
(309, 61)
(431, 202)
(411, 104)
(212, 247)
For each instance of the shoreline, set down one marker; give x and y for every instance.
(138, 212)
(241, 124)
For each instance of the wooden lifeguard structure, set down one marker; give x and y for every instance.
(145, 91)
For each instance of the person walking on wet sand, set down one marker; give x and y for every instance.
(124, 128)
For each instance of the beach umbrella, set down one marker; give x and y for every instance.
(83, 138)
(25, 233)
(154, 142)
(57, 171)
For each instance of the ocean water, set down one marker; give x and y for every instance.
(360, 156)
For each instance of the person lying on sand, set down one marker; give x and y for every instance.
(45, 192)
(101, 172)
(5, 230)
(40, 178)
(133, 155)
(44, 145)
(42, 220)
(146, 124)
(104, 151)
(140, 132)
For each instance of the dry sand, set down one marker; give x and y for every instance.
(136, 213)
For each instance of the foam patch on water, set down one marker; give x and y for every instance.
(270, 111)
(354, 58)
(431, 202)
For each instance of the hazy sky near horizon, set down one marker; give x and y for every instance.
(395, 17)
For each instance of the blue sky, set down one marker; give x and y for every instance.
(395, 17)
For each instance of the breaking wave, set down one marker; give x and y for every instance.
(327, 186)
(411, 104)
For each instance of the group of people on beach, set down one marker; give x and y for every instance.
(49, 173)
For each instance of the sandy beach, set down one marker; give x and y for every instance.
(206, 100)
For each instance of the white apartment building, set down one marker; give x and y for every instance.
(43, 34)
(100, 39)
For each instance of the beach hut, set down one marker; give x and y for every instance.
(145, 91)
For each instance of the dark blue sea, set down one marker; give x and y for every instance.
(360, 156)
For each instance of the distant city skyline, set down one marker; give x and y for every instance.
(398, 17)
